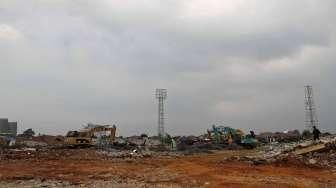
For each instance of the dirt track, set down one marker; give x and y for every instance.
(203, 170)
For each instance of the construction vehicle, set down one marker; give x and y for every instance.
(7, 139)
(2, 141)
(228, 135)
(92, 135)
(248, 141)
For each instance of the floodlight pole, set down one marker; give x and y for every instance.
(161, 95)
(311, 117)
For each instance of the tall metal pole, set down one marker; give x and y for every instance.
(161, 95)
(311, 117)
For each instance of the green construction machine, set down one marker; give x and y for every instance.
(228, 135)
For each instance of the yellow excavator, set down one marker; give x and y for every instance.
(90, 136)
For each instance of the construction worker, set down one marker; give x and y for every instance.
(173, 145)
(252, 134)
(316, 133)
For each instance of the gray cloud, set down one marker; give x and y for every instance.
(65, 63)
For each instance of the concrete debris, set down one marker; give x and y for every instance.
(147, 142)
(134, 154)
(30, 143)
(312, 161)
(286, 136)
(305, 153)
(41, 140)
(312, 148)
(326, 143)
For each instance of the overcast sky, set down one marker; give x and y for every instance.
(64, 63)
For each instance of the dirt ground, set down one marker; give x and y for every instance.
(201, 170)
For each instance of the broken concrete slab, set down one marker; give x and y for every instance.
(308, 149)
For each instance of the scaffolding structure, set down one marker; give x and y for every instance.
(161, 95)
(311, 117)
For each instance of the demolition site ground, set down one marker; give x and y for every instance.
(89, 167)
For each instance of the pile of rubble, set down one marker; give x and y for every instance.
(304, 153)
(39, 141)
(286, 136)
(135, 154)
(30, 153)
(48, 154)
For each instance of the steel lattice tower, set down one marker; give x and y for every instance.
(161, 95)
(311, 117)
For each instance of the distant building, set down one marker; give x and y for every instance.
(12, 128)
(4, 125)
(8, 127)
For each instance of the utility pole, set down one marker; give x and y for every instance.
(311, 117)
(161, 95)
